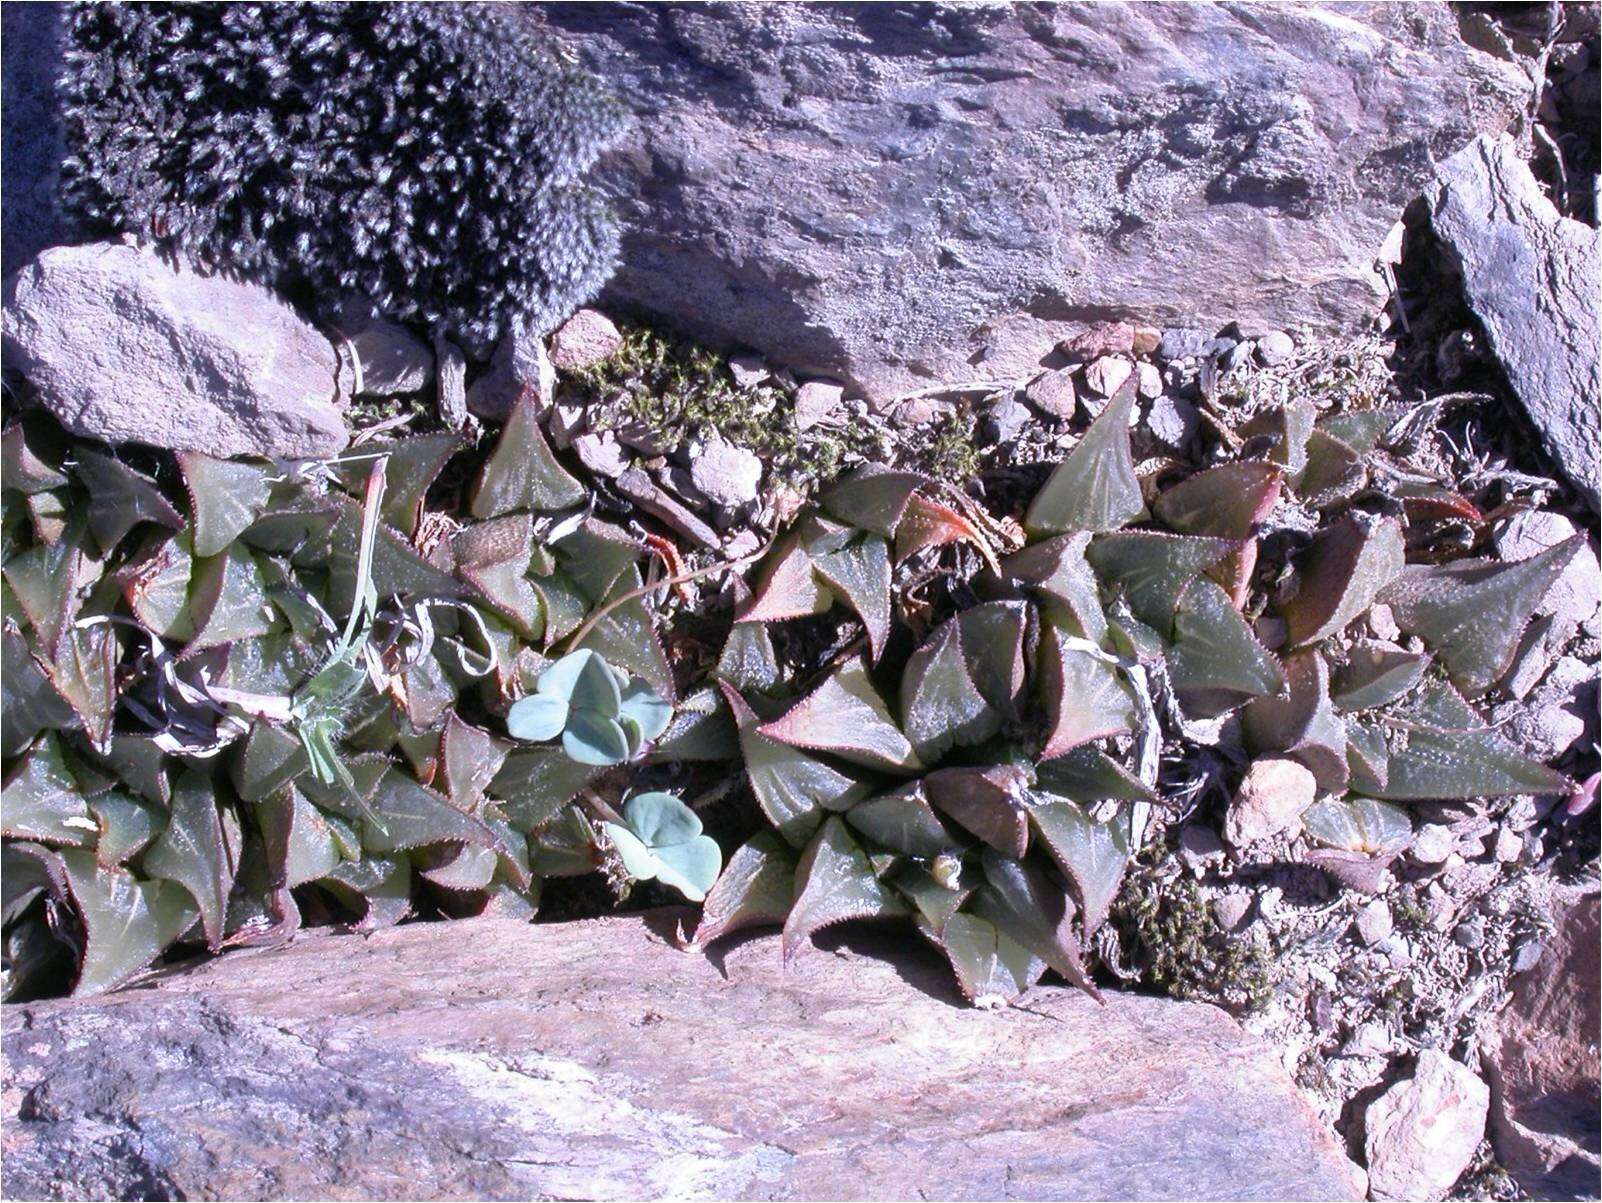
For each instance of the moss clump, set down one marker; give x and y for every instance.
(677, 390)
(1169, 932)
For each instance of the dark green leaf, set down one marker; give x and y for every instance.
(987, 800)
(1021, 903)
(859, 574)
(991, 967)
(192, 853)
(225, 498)
(903, 821)
(1083, 696)
(1092, 855)
(120, 499)
(757, 887)
(1341, 574)
(1215, 650)
(834, 883)
(522, 473)
(228, 600)
(941, 704)
(1302, 724)
(1059, 573)
(793, 789)
(872, 498)
(846, 716)
(1374, 674)
(1089, 775)
(1226, 502)
(1095, 488)
(1152, 570)
(1358, 825)
(42, 801)
(410, 815)
(128, 923)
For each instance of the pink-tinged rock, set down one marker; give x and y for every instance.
(817, 402)
(1052, 393)
(586, 338)
(123, 346)
(1542, 1061)
(1107, 375)
(1107, 338)
(1421, 1134)
(1272, 798)
(520, 368)
(490, 1059)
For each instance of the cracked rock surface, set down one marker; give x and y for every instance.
(493, 1059)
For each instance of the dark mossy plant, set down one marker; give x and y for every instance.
(987, 776)
(432, 158)
(234, 691)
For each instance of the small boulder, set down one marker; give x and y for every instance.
(749, 370)
(601, 453)
(1106, 375)
(1272, 798)
(1275, 347)
(817, 402)
(123, 346)
(519, 368)
(1180, 342)
(388, 359)
(1421, 1134)
(1005, 421)
(1173, 420)
(1052, 393)
(726, 474)
(586, 338)
(1105, 338)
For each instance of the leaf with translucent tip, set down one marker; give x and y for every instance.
(471, 757)
(993, 647)
(859, 574)
(1092, 855)
(522, 473)
(991, 967)
(411, 467)
(701, 729)
(903, 821)
(1375, 674)
(1215, 650)
(564, 847)
(1021, 903)
(227, 600)
(872, 498)
(1083, 696)
(594, 555)
(29, 704)
(1287, 427)
(1424, 501)
(1058, 571)
(1226, 502)
(271, 758)
(1358, 825)
(225, 498)
(49, 512)
(934, 903)
(1471, 613)
(1089, 775)
(41, 799)
(460, 867)
(157, 589)
(793, 789)
(192, 853)
(1303, 723)
(299, 529)
(846, 716)
(988, 801)
(379, 886)
(83, 671)
(128, 923)
(409, 815)
(756, 887)
(120, 499)
(928, 523)
(48, 581)
(397, 571)
(493, 557)
(311, 851)
(21, 467)
(747, 660)
(1367, 757)
(941, 705)
(1362, 429)
(1095, 488)
(1342, 573)
(1334, 471)
(1152, 570)
(834, 883)
(533, 784)
(626, 637)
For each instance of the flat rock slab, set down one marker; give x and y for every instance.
(492, 1059)
(897, 195)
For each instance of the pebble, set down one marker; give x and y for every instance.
(1148, 380)
(1052, 393)
(1369, 1040)
(586, 338)
(1106, 375)
(565, 422)
(1173, 420)
(1106, 338)
(1382, 621)
(601, 453)
(1527, 955)
(726, 474)
(748, 370)
(1005, 421)
(1179, 342)
(650, 497)
(1271, 799)
(1470, 933)
(817, 402)
(1199, 846)
(519, 368)
(1374, 922)
(1145, 340)
(1275, 347)
(922, 411)
(1508, 846)
(1230, 910)
(1433, 844)
(392, 358)
(1421, 1134)
(643, 437)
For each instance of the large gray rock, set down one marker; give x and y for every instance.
(490, 1059)
(1530, 276)
(122, 346)
(900, 194)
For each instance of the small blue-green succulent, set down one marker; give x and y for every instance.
(662, 840)
(603, 715)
